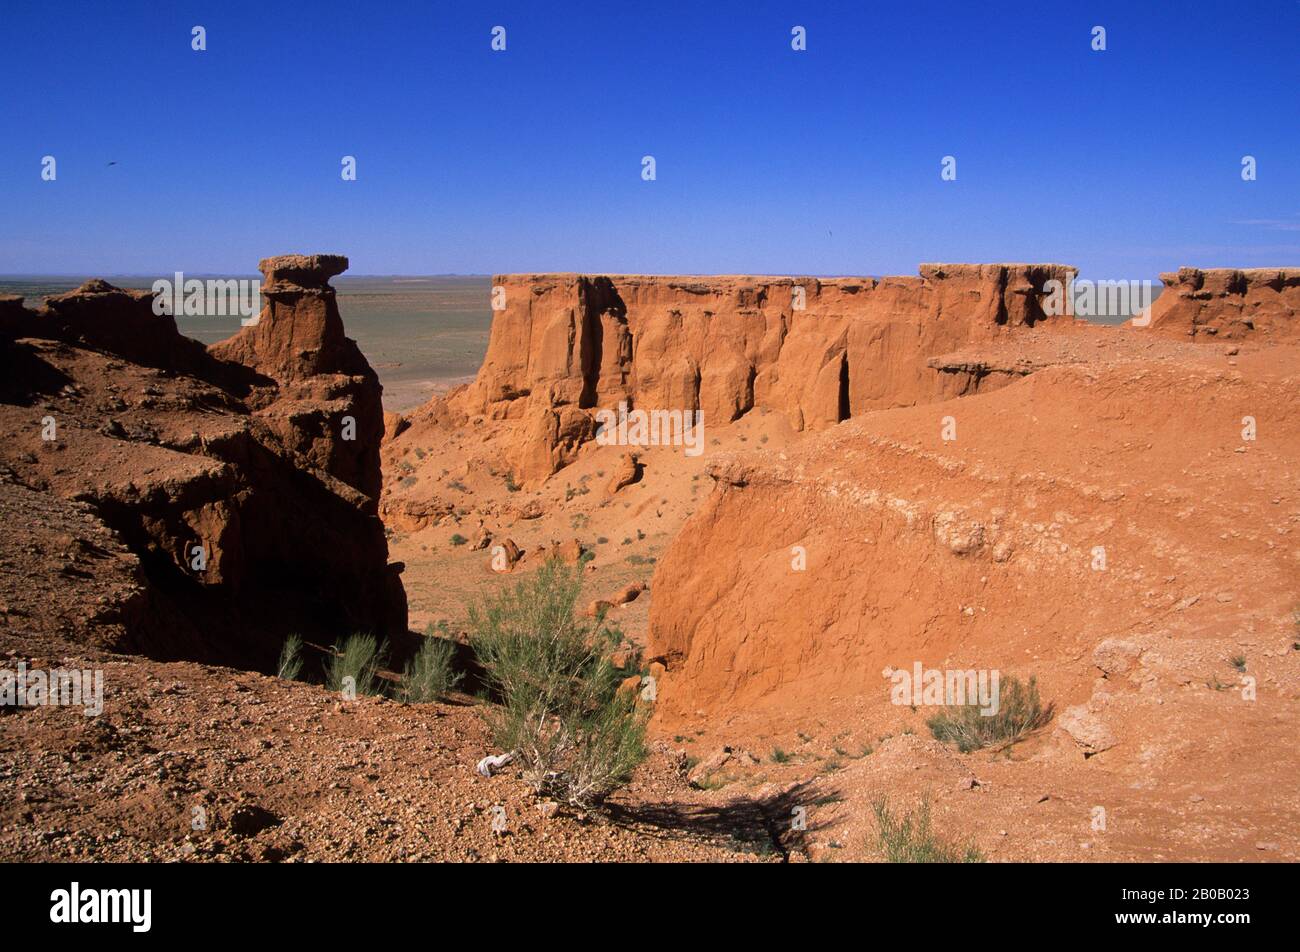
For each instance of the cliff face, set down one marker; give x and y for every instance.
(1102, 499)
(242, 479)
(817, 350)
(1229, 304)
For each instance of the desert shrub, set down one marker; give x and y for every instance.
(290, 664)
(429, 676)
(458, 539)
(1019, 713)
(357, 657)
(910, 839)
(575, 734)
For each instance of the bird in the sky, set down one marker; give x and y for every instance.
(114, 162)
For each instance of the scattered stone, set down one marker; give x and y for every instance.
(1116, 656)
(1086, 729)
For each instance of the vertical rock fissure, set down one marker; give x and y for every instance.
(845, 410)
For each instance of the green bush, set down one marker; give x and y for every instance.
(429, 676)
(290, 664)
(909, 840)
(575, 735)
(1019, 713)
(357, 657)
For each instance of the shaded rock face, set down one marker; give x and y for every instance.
(102, 317)
(243, 478)
(818, 350)
(1229, 304)
(13, 319)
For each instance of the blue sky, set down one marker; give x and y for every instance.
(1124, 162)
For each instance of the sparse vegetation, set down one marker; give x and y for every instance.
(357, 657)
(1019, 713)
(290, 665)
(429, 676)
(458, 539)
(779, 756)
(576, 736)
(910, 839)
(1239, 662)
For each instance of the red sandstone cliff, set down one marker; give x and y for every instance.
(817, 350)
(1230, 304)
(879, 543)
(261, 451)
(1175, 457)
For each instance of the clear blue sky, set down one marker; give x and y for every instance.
(1124, 162)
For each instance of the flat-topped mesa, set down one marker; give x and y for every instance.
(1229, 303)
(816, 349)
(299, 332)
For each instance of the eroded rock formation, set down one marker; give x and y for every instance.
(243, 479)
(1229, 304)
(1121, 485)
(818, 350)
